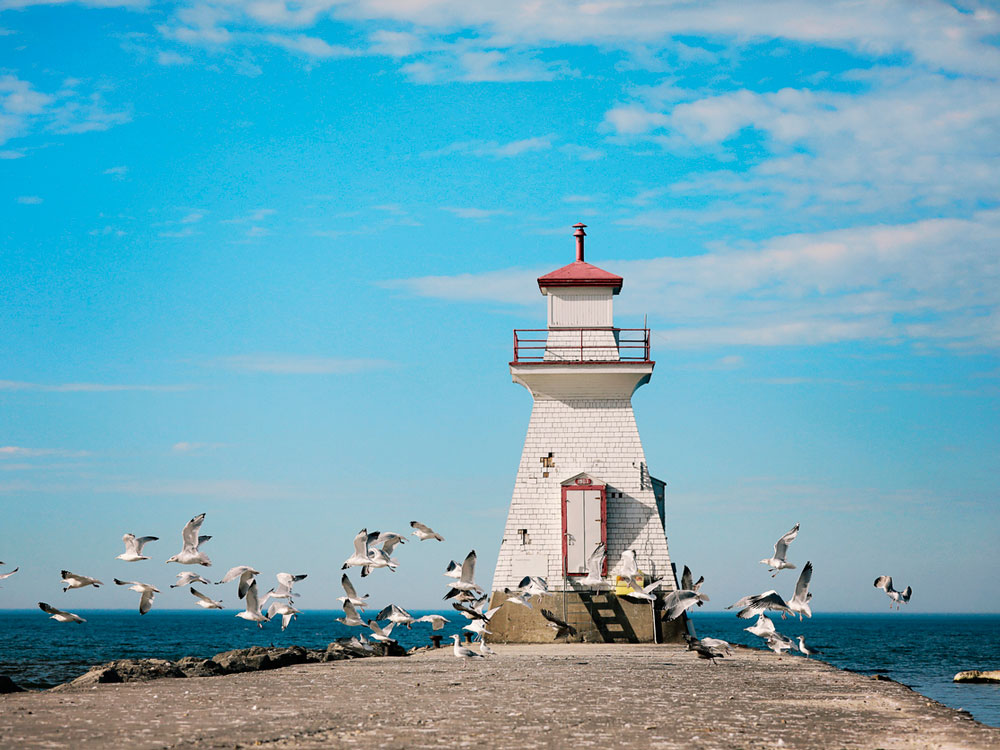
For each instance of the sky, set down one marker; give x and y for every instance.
(262, 259)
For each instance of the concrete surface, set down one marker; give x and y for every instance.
(528, 696)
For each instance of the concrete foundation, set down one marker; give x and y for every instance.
(598, 617)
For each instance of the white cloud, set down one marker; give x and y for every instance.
(494, 149)
(281, 364)
(395, 43)
(16, 451)
(258, 214)
(169, 58)
(583, 153)
(29, 200)
(478, 214)
(195, 448)
(932, 282)
(311, 46)
(10, 154)
(16, 385)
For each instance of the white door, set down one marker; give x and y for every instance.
(583, 527)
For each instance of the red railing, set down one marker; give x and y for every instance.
(633, 347)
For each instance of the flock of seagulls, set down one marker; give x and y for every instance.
(374, 550)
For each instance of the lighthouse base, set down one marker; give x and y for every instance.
(597, 617)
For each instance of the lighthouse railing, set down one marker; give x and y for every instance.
(530, 346)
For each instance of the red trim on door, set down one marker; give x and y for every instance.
(604, 523)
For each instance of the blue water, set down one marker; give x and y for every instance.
(922, 651)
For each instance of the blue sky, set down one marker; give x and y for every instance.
(262, 260)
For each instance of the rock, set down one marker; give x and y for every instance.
(193, 666)
(125, 670)
(7, 685)
(975, 675)
(242, 660)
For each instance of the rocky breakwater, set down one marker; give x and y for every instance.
(254, 659)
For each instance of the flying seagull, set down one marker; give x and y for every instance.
(74, 581)
(252, 612)
(351, 617)
(454, 570)
(190, 554)
(286, 610)
(58, 615)
(678, 602)
(777, 561)
(133, 547)
(645, 593)
(799, 603)
(779, 643)
(763, 627)
(396, 615)
(561, 627)
(381, 634)
(205, 602)
(352, 595)
(706, 648)
(423, 533)
(629, 566)
(595, 566)
(437, 621)
(148, 591)
(8, 575)
(898, 597)
(284, 588)
(687, 580)
(187, 577)
(466, 582)
(755, 604)
(361, 555)
(246, 575)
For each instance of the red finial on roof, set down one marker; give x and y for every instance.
(579, 234)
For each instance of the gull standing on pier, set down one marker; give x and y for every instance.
(246, 575)
(190, 554)
(777, 561)
(74, 581)
(461, 652)
(59, 615)
(898, 597)
(205, 602)
(779, 643)
(148, 591)
(133, 547)
(352, 595)
(252, 612)
(187, 577)
(805, 649)
(423, 533)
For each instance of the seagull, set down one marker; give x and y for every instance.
(58, 615)
(252, 612)
(205, 602)
(423, 533)
(763, 627)
(360, 642)
(396, 615)
(187, 577)
(437, 621)
(755, 604)
(380, 558)
(360, 555)
(898, 597)
(645, 593)
(799, 603)
(246, 575)
(485, 650)
(704, 649)
(352, 595)
(805, 650)
(390, 538)
(148, 591)
(478, 612)
(779, 643)
(190, 554)
(677, 603)
(461, 652)
(382, 634)
(478, 627)
(133, 547)
(629, 566)
(777, 561)
(8, 575)
(74, 581)
(286, 610)
(717, 644)
(284, 589)
(688, 583)
(466, 582)
(595, 565)
(351, 617)
(561, 627)
(454, 570)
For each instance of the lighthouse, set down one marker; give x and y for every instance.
(583, 477)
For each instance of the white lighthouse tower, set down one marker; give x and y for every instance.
(583, 477)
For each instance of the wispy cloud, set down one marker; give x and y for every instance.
(478, 214)
(16, 451)
(281, 364)
(494, 149)
(29, 200)
(310, 46)
(118, 173)
(17, 385)
(195, 448)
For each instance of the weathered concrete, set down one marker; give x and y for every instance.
(597, 617)
(576, 695)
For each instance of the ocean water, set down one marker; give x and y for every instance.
(922, 651)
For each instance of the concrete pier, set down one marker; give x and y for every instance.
(528, 696)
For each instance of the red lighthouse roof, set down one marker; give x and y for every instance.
(579, 272)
